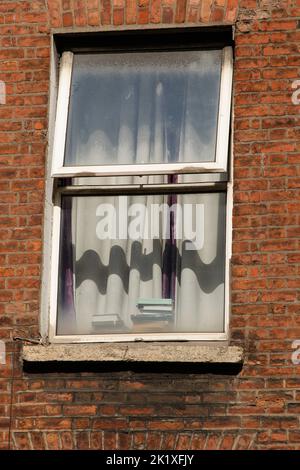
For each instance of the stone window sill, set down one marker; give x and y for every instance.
(154, 352)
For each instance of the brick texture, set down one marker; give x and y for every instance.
(259, 407)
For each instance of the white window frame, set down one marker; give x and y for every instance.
(109, 338)
(60, 132)
(59, 171)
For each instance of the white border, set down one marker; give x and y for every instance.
(47, 228)
(224, 109)
(62, 110)
(220, 165)
(56, 220)
(59, 170)
(54, 338)
(139, 338)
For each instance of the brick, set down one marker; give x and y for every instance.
(52, 441)
(67, 19)
(109, 424)
(109, 440)
(217, 15)
(66, 439)
(53, 423)
(155, 11)
(139, 440)
(38, 441)
(82, 440)
(106, 12)
(22, 441)
(167, 15)
(79, 410)
(206, 9)
(231, 10)
(124, 440)
(153, 441)
(131, 11)
(180, 11)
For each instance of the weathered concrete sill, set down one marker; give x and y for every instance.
(189, 352)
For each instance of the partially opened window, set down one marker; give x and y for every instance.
(140, 163)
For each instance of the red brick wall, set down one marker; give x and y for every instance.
(259, 407)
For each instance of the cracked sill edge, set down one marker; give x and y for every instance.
(189, 352)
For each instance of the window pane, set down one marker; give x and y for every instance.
(150, 179)
(140, 108)
(142, 264)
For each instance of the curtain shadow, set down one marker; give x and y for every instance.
(91, 267)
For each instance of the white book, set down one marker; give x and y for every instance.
(112, 318)
(156, 302)
(156, 308)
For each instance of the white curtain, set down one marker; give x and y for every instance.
(200, 274)
(122, 270)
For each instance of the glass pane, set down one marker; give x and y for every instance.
(140, 108)
(142, 264)
(150, 179)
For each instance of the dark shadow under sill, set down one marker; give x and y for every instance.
(178, 357)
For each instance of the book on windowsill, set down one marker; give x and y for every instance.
(151, 317)
(108, 319)
(159, 303)
(155, 315)
(155, 308)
